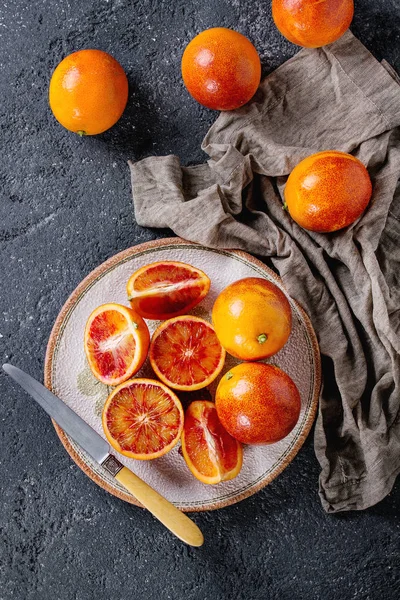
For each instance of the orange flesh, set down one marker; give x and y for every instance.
(164, 290)
(186, 353)
(143, 419)
(163, 275)
(209, 450)
(111, 344)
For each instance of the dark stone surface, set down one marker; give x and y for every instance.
(65, 208)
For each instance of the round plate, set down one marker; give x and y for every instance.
(67, 374)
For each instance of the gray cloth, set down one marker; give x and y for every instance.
(337, 97)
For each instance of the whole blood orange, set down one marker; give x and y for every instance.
(257, 403)
(327, 191)
(185, 353)
(88, 92)
(312, 23)
(221, 68)
(166, 289)
(116, 343)
(252, 318)
(210, 452)
(142, 419)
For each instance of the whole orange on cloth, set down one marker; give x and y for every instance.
(88, 92)
(221, 68)
(252, 318)
(327, 191)
(257, 403)
(312, 23)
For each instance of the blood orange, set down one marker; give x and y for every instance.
(116, 343)
(142, 419)
(328, 191)
(221, 68)
(211, 454)
(257, 403)
(312, 23)
(185, 353)
(166, 289)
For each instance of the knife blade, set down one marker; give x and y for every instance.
(90, 441)
(66, 418)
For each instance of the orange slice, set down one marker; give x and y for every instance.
(211, 454)
(163, 290)
(116, 343)
(185, 353)
(142, 419)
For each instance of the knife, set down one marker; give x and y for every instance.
(170, 516)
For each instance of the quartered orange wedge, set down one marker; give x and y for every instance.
(185, 353)
(142, 419)
(116, 343)
(211, 454)
(166, 289)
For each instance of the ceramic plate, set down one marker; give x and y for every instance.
(69, 377)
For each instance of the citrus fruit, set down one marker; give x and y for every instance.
(185, 353)
(88, 92)
(211, 454)
(327, 191)
(142, 419)
(221, 68)
(312, 23)
(257, 403)
(116, 343)
(252, 318)
(166, 289)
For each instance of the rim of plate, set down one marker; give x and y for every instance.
(101, 271)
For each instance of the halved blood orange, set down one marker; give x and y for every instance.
(166, 289)
(116, 343)
(142, 419)
(210, 452)
(185, 353)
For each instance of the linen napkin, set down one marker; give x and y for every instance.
(337, 97)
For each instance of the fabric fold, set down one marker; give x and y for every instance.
(337, 97)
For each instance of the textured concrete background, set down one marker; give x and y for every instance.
(65, 208)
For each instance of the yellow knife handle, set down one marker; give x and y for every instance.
(170, 516)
